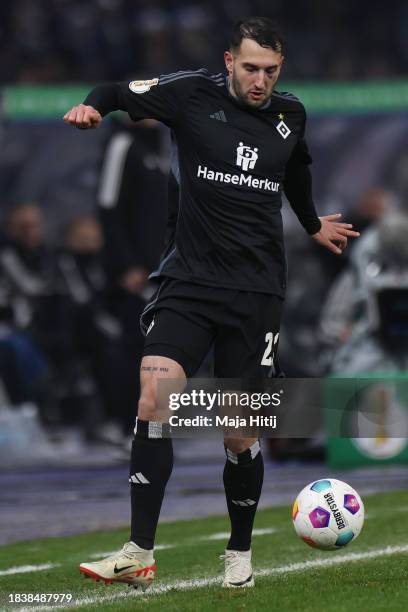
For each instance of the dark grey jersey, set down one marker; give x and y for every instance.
(233, 163)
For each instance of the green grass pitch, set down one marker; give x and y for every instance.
(369, 574)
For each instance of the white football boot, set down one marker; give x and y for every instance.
(238, 569)
(132, 565)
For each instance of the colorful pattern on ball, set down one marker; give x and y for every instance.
(310, 542)
(344, 538)
(321, 485)
(319, 517)
(295, 510)
(351, 504)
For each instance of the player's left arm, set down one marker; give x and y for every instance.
(327, 230)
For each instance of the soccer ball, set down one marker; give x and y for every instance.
(328, 514)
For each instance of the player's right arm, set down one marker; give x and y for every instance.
(101, 101)
(162, 98)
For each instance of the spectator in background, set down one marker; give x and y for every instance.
(132, 197)
(27, 282)
(373, 204)
(23, 369)
(37, 294)
(353, 333)
(30, 265)
(320, 270)
(27, 261)
(340, 311)
(97, 348)
(364, 322)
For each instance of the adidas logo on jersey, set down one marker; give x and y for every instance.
(219, 116)
(150, 326)
(139, 479)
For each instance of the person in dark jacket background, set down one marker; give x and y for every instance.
(132, 203)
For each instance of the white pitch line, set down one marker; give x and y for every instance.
(187, 585)
(224, 535)
(24, 569)
(261, 532)
(330, 561)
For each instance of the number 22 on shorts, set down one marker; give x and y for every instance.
(271, 340)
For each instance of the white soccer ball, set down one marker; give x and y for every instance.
(328, 514)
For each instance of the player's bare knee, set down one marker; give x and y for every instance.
(147, 407)
(239, 445)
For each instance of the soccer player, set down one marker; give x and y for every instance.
(240, 144)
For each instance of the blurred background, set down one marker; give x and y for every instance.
(70, 41)
(83, 216)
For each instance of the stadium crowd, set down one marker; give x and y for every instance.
(71, 40)
(64, 349)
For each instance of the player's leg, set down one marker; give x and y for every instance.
(243, 478)
(182, 338)
(152, 451)
(178, 339)
(150, 468)
(245, 350)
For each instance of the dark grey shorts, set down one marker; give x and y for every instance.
(184, 320)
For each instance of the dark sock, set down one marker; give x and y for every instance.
(243, 478)
(151, 464)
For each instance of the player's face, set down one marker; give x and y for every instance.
(253, 72)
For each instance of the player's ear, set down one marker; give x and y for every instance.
(228, 60)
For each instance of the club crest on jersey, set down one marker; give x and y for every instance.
(139, 87)
(283, 129)
(246, 157)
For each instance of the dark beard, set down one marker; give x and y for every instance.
(242, 99)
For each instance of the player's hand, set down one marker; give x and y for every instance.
(333, 235)
(83, 117)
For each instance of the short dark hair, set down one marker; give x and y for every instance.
(262, 30)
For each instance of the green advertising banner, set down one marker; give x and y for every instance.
(52, 101)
